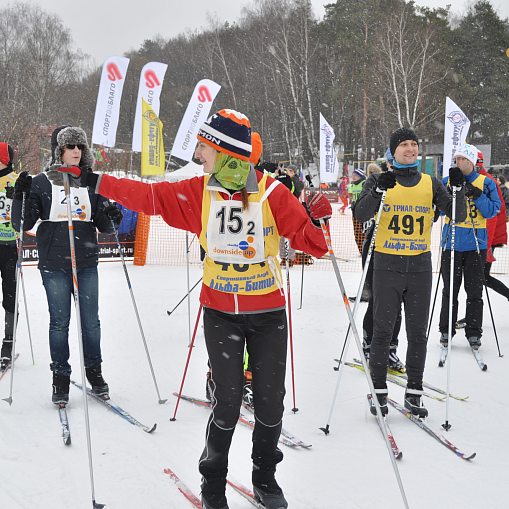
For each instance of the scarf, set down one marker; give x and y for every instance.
(231, 172)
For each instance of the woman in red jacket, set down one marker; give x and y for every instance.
(239, 215)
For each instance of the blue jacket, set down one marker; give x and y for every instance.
(488, 205)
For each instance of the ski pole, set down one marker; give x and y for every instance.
(346, 343)
(452, 223)
(364, 364)
(161, 401)
(16, 302)
(25, 299)
(67, 190)
(289, 305)
(188, 246)
(184, 297)
(302, 280)
(174, 418)
(483, 278)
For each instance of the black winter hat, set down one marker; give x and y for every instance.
(400, 135)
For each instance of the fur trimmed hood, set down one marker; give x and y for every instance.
(76, 136)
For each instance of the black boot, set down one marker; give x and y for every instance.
(266, 490)
(60, 389)
(6, 353)
(381, 394)
(213, 494)
(95, 377)
(413, 402)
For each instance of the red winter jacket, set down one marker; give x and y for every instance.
(180, 206)
(496, 226)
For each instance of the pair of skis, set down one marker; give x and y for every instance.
(238, 487)
(475, 352)
(105, 400)
(286, 438)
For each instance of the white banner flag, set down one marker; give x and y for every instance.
(108, 101)
(151, 82)
(455, 133)
(328, 159)
(196, 113)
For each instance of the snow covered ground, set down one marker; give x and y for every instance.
(349, 468)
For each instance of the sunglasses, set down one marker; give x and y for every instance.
(71, 146)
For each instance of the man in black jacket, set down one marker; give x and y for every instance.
(402, 258)
(46, 201)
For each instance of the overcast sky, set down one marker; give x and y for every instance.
(102, 28)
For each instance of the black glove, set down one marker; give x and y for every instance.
(23, 185)
(456, 178)
(88, 178)
(9, 192)
(386, 181)
(472, 191)
(114, 213)
(286, 180)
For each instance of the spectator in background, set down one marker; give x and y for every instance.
(505, 194)
(292, 172)
(343, 193)
(373, 168)
(354, 190)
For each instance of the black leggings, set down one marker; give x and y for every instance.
(8, 259)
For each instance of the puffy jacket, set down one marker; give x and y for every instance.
(180, 206)
(488, 204)
(52, 237)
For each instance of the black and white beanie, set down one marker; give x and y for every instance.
(74, 136)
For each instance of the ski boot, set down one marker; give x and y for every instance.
(475, 342)
(60, 389)
(461, 324)
(99, 386)
(381, 394)
(444, 339)
(266, 490)
(414, 404)
(394, 363)
(6, 353)
(213, 494)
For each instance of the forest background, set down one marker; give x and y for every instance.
(368, 66)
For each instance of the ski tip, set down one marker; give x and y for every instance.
(440, 364)
(67, 441)
(472, 456)
(162, 401)
(325, 430)
(168, 312)
(485, 367)
(152, 429)
(398, 456)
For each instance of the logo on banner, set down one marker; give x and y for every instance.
(151, 79)
(326, 129)
(151, 117)
(113, 72)
(204, 94)
(458, 120)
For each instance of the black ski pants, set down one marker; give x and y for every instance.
(8, 259)
(390, 290)
(265, 335)
(471, 265)
(494, 283)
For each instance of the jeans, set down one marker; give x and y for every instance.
(59, 291)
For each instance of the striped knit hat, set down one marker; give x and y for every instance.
(229, 132)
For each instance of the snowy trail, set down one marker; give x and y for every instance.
(350, 468)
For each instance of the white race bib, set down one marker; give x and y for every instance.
(80, 204)
(5, 208)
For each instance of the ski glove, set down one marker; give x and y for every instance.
(472, 191)
(319, 207)
(114, 213)
(74, 170)
(456, 179)
(386, 181)
(23, 185)
(9, 192)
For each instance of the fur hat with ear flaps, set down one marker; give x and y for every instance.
(73, 136)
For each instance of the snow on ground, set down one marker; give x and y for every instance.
(349, 468)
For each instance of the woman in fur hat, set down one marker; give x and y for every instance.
(8, 250)
(45, 198)
(239, 215)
